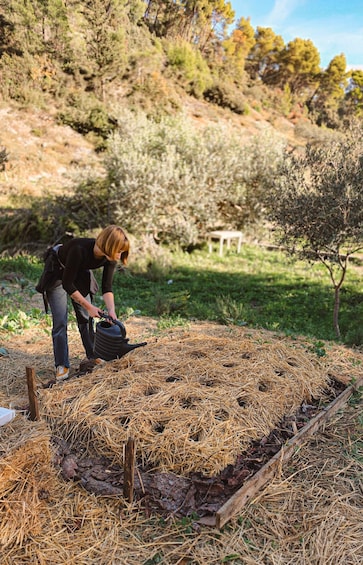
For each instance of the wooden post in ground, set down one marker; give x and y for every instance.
(33, 400)
(129, 470)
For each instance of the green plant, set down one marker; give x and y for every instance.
(87, 115)
(200, 181)
(172, 302)
(168, 322)
(192, 67)
(256, 286)
(230, 311)
(156, 558)
(319, 349)
(227, 95)
(157, 270)
(235, 557)
(356, 398)
(186, 523)
(316, 204)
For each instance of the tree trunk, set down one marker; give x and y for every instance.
(336, 310)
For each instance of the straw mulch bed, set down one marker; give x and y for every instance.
(310, 514)
(26, 474)
(193, 400)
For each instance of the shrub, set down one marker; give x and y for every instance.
(165, 178)
(175, 182)
(191, 66)
(227, 96)
(87, 115)
(47, 219)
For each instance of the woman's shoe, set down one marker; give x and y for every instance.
(87, 365)
(61, 374)
(98, 361)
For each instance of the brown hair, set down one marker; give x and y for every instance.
(112, 240)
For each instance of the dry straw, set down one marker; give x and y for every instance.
(26, 474)
(193, 400)
(311, 514)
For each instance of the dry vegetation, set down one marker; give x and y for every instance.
(310, 514)
(42, 155)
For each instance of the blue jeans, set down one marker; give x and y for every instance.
(58, 302)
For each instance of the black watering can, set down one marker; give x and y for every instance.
(110, 340)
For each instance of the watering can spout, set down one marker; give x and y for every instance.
(125, 347)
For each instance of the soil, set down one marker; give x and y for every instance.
(168, 494)
(43, 156)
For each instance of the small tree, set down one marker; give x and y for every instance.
(317, 204)
(105, 23)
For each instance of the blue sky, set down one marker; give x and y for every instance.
(334, 26)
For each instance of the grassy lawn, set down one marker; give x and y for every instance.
(257, 287)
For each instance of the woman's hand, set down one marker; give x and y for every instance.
(92, 310)
(110, 304)
(112, 314)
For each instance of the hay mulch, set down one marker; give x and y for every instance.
(192, 400)
(26, 474)
(310, 514)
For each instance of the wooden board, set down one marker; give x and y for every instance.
(268, 471)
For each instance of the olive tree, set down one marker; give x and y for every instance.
(317, 205)
(178, 181)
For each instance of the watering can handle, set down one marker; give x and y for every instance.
(106, 316)
(114, 321)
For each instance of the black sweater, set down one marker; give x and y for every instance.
(77, 258)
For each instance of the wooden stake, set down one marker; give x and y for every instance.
(129, 470)
(33, 400)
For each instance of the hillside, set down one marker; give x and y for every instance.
(42, 156)
(78, 62)
(46, 156)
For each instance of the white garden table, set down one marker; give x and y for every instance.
(225, 236)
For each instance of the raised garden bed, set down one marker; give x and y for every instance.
(212, 500)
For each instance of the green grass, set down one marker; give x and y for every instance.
(258, 288)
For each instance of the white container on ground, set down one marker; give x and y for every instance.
(6, 415)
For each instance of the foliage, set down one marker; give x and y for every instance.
(86, 114)
(317, 203)
(256, 287)
(263, 57)
(192, 20)
(298, 66)
(105, 41)
(165, 178)
(354, 97)
(330, 93)
(36, 27)
(236, 47)
(226, 95)
(27, 79)
(49, 218)
(315, 135)
(55, 48)
(175, 182)
(191, 65)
